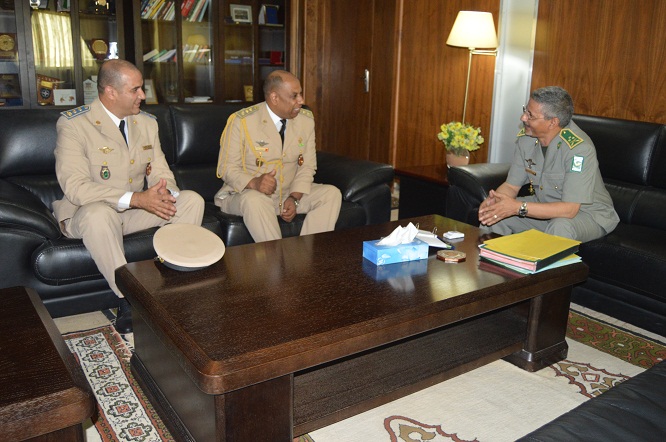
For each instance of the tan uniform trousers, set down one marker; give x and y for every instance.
(102, 228)
(259, 211)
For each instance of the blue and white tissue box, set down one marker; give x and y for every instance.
(380, 255)
(394, 271)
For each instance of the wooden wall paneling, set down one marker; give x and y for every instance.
(431, 84)
(609, 55)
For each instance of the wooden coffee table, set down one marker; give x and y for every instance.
(284, 337)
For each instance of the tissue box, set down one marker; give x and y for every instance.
(381, 255)
(397, 270)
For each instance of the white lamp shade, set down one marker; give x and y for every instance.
(473, 29)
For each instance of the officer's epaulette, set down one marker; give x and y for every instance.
(570, 138)
(247, 111)
(521, 133)
(69, 114)
(307, 113)
(148, 114)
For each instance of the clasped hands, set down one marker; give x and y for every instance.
(156, 200)
(267, 184)
(497, 207)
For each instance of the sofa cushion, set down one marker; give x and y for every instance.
(27, 142)
(633, 410)
(613, 138)
(197, 131)
(632, 257)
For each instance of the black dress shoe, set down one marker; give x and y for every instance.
(124, 317)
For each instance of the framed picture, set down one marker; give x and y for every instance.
(149, 90)
(64, 97)
(9, 86)
(241, 13)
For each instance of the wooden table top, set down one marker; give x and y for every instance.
(277, 307)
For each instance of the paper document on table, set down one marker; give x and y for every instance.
(432, 240)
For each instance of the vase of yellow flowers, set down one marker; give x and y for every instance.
(459, 140)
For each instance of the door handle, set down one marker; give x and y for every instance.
(366, 81)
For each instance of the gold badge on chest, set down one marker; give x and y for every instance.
(105, 173)
(300, 159)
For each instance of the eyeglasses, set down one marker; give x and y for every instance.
(531, 117)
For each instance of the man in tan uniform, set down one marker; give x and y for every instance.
(102, 175)
(264, 176)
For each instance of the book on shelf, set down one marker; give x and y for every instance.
(186, 7)
(166, 56)
(150, 54)
(531, 250)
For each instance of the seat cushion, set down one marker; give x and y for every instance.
(632, 257)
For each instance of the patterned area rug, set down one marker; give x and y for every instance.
(495, 402)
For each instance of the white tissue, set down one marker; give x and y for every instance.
(401, 235)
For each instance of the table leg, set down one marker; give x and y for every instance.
(259, 412)
(545, 342)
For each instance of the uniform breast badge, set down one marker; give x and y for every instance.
(300, 159)
(105, 173)
(149, 168)
(259, 162)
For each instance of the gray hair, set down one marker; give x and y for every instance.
(112, 73)
(555, 103)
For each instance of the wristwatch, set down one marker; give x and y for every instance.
(522, 212)
(295, 200)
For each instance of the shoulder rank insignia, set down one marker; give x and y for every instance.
(69, 114)
(307, 113)
(247, 111)
(148, 114)
(570, 138)
(521, 133)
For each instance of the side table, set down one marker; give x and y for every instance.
(423, 190)
(44, 395)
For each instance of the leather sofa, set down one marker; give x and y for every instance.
(627, 267)
(36, 254)
(633, 410)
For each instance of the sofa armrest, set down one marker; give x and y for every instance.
(469, 186)
(478, 179)
(21, 209)
(351, 176)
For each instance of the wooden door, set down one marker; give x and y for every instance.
(337, 49)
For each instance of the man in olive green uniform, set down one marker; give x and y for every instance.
(559, 162)
(267, 161)
(102, 175)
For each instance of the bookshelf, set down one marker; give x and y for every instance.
(58, 47)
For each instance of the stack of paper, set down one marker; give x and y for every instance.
(530, 251)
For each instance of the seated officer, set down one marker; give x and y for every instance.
(567, 195)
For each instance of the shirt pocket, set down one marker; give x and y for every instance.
(146, 155)
(553, 184)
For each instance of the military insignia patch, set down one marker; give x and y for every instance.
(105, 173)
(259, 162)
(247, 111)
(69, 114)
(307, 113)
(570, 138)
(577, 163)
(105, 150)
(521, 133)
(300, 160)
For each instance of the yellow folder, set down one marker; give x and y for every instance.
(533, 246)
